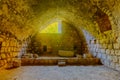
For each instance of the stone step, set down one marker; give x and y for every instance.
(62, 62)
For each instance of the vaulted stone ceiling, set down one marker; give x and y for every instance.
(25, 17)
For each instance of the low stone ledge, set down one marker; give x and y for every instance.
(69, 61)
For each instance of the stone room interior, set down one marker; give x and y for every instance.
(59, 40)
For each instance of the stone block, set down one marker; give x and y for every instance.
(97, 60)
(97, 45)
(102, 41)
(53, 62)
(94, 54)
(115, 59)
(66, 53)
(99, 55)
(31, 61)
(2, 49)
(109, 57)
(105, 46)
(106, 41)
(2, 63)
(81, 61)
(96, 50)
(88, 55)
(117, 67)
(103, 51)
(39, 62)
(117, 52)
(100, 47)
(25, 61)
(102, 61)
(118, 39)
(112, 52)
(119, 59)
(72, 61)
(92, 46)
(110, 46)
(91, 49)
(79, 56)
(35, 55)
(13, 64)
(16, 63)
(112, 65)
(92, 41)
(61, 63)
(104, 56)
(3, 56)
(116, 46)
(106, 63)
(108, 51)
(97, 41)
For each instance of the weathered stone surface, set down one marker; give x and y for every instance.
(104, 56)
(88, 55)
(13, 64)
(97, 50)
(103, 51)
(105, 46)
(108, 51)
(112, 52)
(99, 55)
(35, 55)
(116, 46)
(110, 46)
(117, 67)
(109, 58)
(99, 18)
(113, 65)
(64, 53)
(117, 52)
(60, 73)
(94, 54)
(115, 59)
(106, 63)
(119, 59)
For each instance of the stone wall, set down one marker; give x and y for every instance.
(10, 48)
(69, 39)
(105, 48)
(23, 48)
(22, 20)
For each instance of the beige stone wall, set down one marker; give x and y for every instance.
(23, 18)
(9, 49)
(107, 49)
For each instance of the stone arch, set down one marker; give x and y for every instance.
(77, 30)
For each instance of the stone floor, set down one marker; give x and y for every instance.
(60, 73)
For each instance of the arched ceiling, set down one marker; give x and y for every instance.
(25, 17)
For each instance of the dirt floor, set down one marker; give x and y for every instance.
(60, 73)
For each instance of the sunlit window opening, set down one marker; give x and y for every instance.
(52, 28)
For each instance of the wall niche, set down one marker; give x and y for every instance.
(103, 20)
